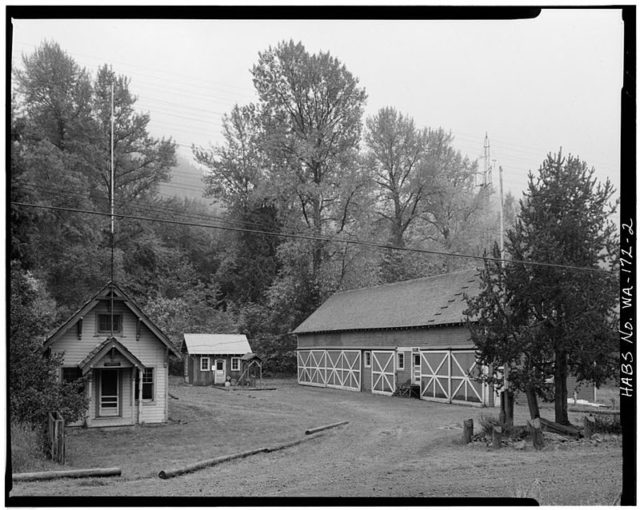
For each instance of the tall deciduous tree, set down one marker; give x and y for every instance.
(312, 108)
(559, 321)
(397, 153)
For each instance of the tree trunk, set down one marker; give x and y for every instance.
(560, 383)
(532, 402)
(535, 430)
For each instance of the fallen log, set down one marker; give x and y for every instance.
(567, 430)
(169, 473)
(282, 446)
(596, 411)
(218, 460)
(75, 473)
(324, 427)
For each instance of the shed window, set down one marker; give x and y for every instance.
(104, 323)
(367, 359)
(400, 358)
(235, 364)
(204, 364)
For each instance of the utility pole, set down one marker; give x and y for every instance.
(112, 196)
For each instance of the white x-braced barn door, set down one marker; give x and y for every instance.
(312, 367)
(343, 370)
(463, 388)
(435, 383)
(383, 377)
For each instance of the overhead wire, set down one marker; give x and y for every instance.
(318, 238)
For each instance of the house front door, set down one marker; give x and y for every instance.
(220, 373)
(109, 393)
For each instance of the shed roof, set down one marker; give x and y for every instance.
(216, 344)
(423, 302)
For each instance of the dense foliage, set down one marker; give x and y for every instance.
(546, 321)
(301, 160)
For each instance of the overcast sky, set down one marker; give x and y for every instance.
(531, 85)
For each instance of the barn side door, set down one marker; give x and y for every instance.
(383, 375)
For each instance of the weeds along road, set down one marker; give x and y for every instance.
(392, 447)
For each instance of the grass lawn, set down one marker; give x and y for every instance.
(394, 447)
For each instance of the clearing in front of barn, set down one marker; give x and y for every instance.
(395, 447)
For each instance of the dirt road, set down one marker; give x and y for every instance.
(392, 447)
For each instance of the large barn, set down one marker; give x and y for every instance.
(403, 334)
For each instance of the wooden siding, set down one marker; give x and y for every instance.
(424, 338)
(148, 349)
(199, 377)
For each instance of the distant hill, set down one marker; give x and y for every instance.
(186, 181)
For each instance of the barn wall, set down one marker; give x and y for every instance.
(366, 373)
(404, 375)
(440, 337)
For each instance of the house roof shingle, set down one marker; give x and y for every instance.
(423, 302)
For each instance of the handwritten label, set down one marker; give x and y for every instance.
(627, 302)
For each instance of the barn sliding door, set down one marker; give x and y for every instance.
(448, 376)
(312, 367)
(383, 376)
(343, 370)
(464, 389)
(330, 368)
(435, 381)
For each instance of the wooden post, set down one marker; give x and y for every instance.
(467, 430)
(535, 430)
(496, 437)
(589, 426)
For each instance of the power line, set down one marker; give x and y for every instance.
(316, 238)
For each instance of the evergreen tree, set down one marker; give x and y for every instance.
(547, 321)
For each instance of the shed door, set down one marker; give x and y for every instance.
(435, 382)
(383, 377)
(220, 372)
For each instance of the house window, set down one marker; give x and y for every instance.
(204, 364)
(235, 364)
(71, 375)
(147, 384)
(400, 360)
(104, 323)
(367, 359)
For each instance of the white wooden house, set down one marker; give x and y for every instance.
(123, 356)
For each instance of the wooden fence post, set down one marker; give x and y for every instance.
(467, 430)
(496, 437)
(589, 426)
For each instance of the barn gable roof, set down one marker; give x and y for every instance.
(216, 344)
(423, 302)
(120, 296)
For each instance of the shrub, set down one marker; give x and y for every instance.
(607, 424)
(27, 453)
(487, 423)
